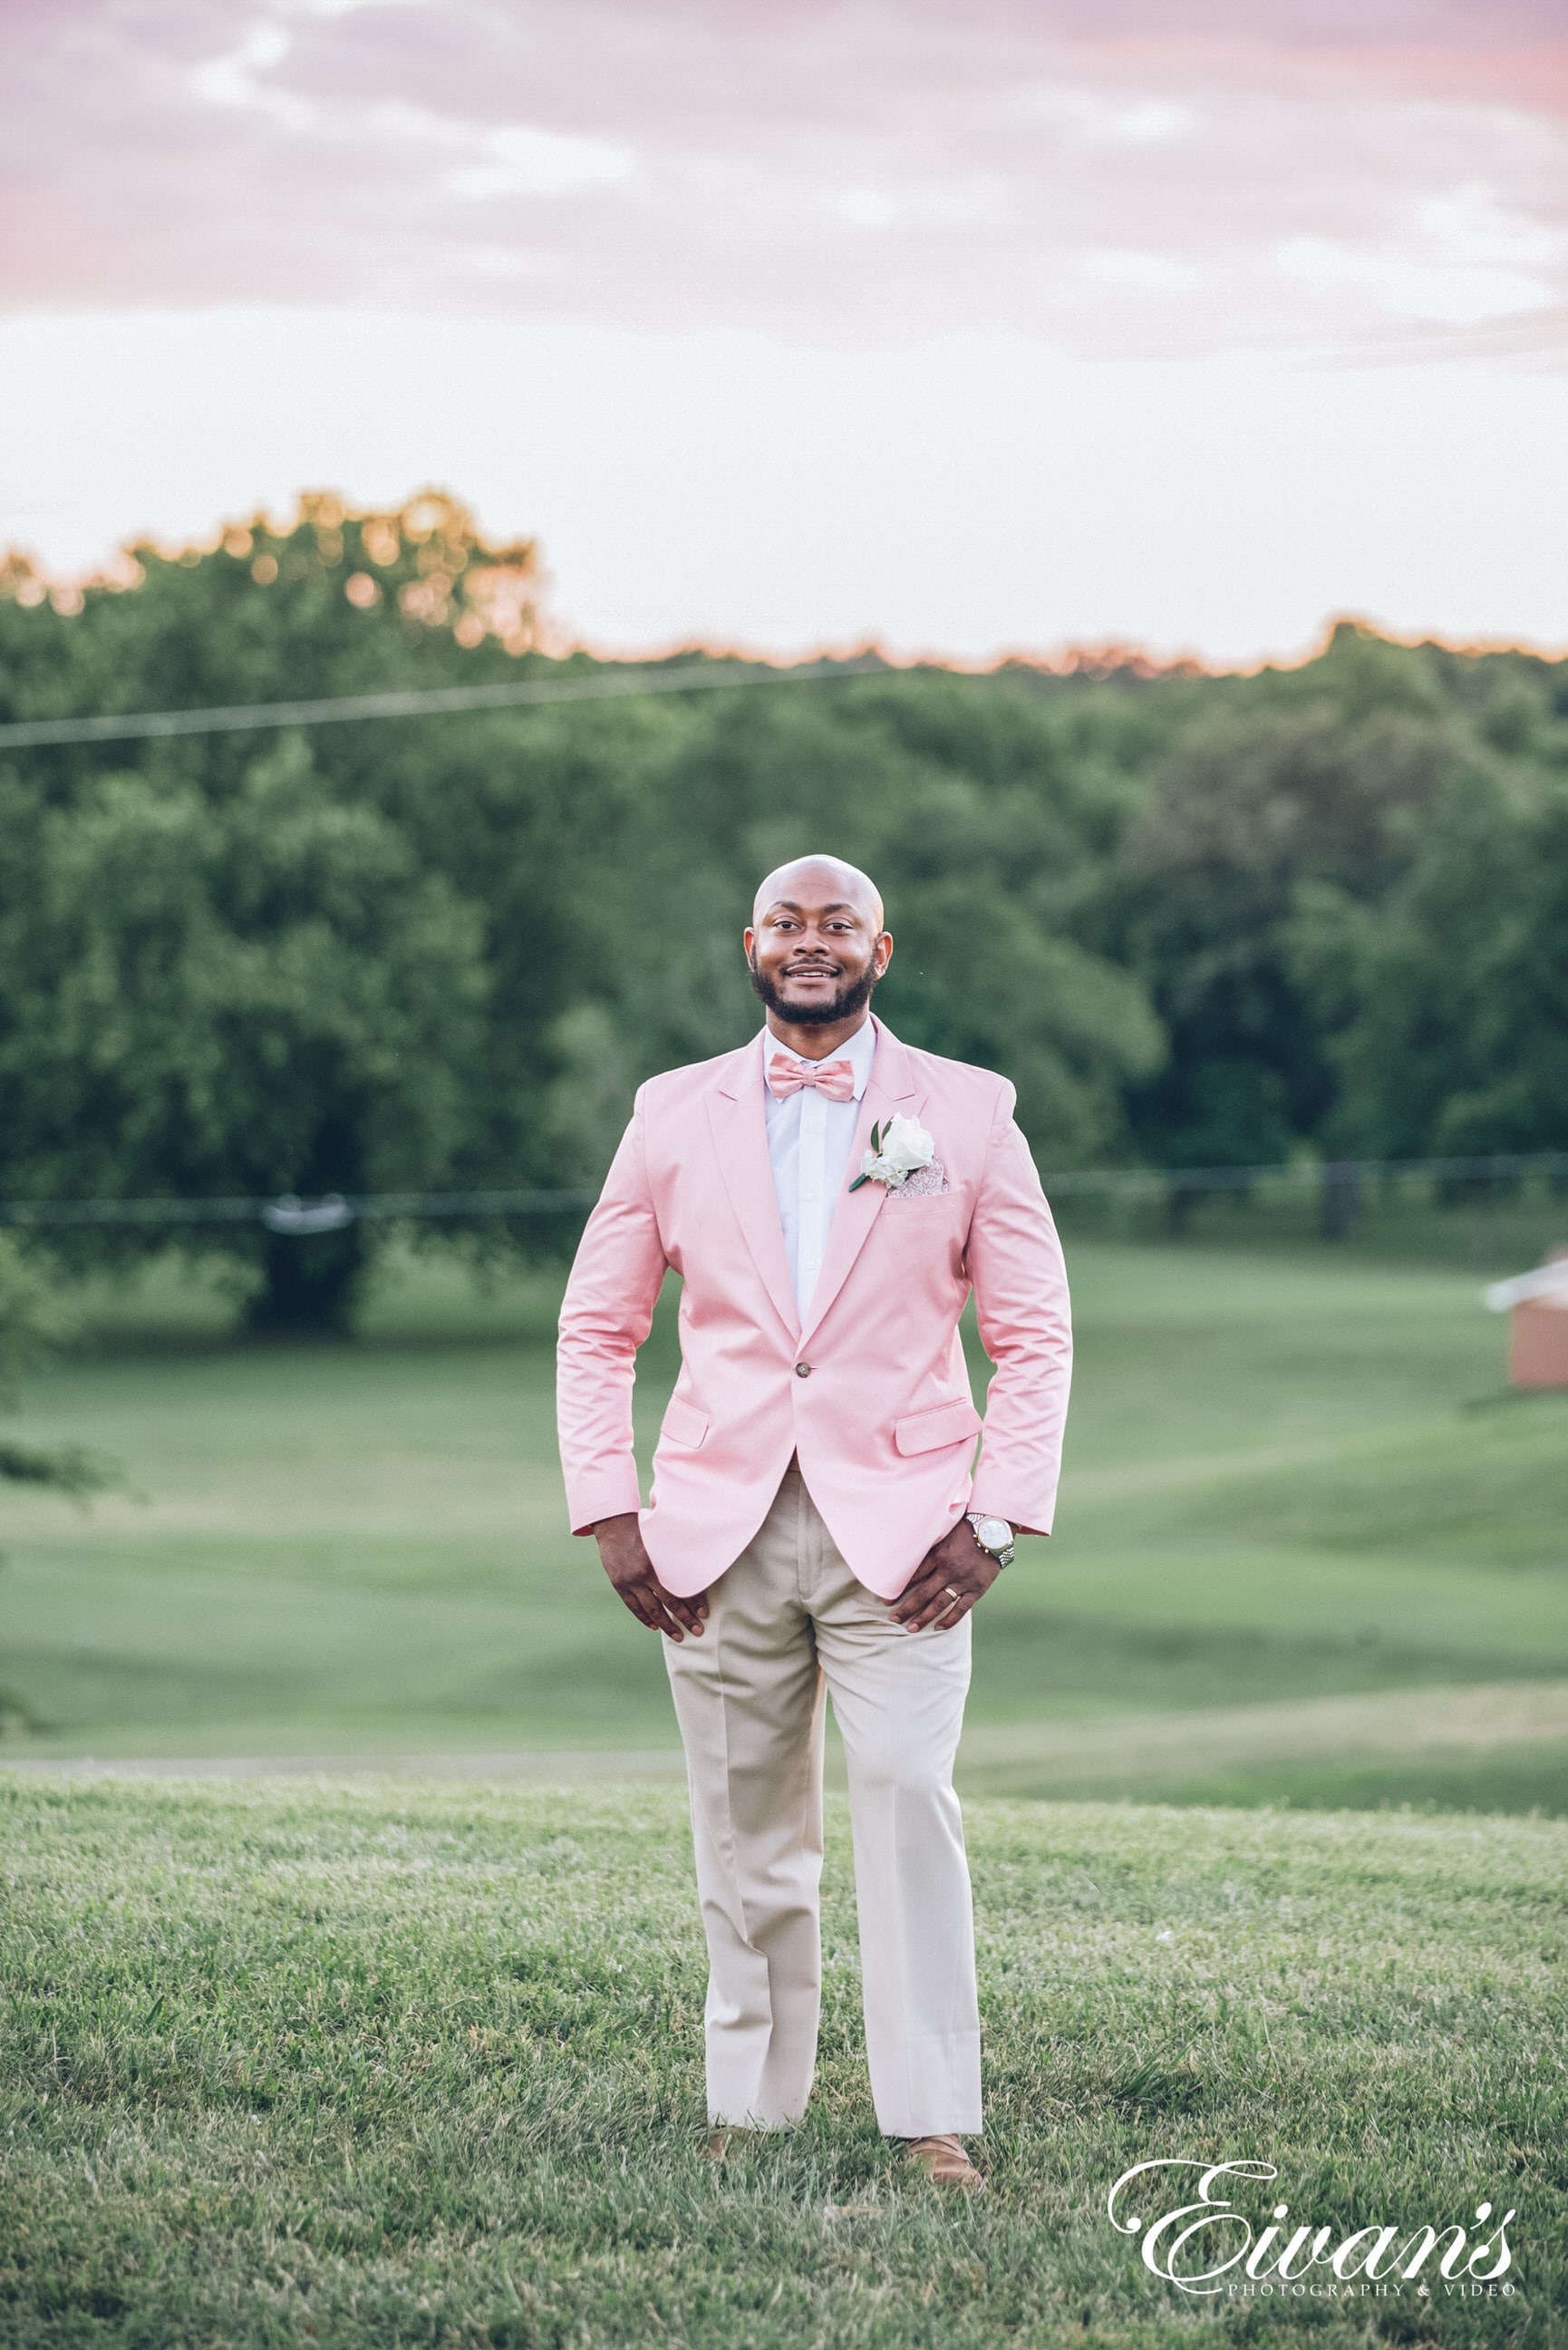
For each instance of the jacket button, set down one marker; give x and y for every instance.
(803, 1370)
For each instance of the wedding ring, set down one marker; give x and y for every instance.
(952, 1595)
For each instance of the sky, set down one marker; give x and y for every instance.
(787, 323)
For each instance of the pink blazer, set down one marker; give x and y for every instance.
(873, 1394)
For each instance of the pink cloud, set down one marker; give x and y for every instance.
(1362, 178)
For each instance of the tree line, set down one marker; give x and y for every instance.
(1197, 920)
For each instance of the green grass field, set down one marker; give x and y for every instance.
(360, 2063)
(364, 2065)
(1307, 1552)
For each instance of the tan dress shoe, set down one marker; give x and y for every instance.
(943, 2160)
(723, 2143)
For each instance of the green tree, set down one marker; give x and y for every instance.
(328, 602)
(1448, 1011)
(250, 997)
(1254, 807)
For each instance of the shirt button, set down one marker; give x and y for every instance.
(803, 1370)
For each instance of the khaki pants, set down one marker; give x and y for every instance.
(787, 1621)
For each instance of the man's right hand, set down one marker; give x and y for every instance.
(635, 1577)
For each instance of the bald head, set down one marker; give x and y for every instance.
(820, 881)
(816, 948)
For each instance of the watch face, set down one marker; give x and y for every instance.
(993, 1533)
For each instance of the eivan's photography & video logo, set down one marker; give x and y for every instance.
(1208, 2245)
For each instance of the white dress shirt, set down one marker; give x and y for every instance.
(808, 1143)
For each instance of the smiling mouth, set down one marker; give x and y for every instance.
(812, 970)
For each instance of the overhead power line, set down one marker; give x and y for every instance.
(293, 1216)
(1306, 1173)
(289, 1214)
(602, 685)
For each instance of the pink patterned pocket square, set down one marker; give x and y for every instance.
(922, 1183)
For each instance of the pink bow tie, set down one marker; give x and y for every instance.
(833, 1078)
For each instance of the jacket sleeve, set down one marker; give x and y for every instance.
(1025, 1326)
(605, 1316)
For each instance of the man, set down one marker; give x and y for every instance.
(814, 1521)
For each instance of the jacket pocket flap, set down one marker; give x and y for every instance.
(683, 1424)
(945, 1423)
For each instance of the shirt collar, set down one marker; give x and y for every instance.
(859, 1052)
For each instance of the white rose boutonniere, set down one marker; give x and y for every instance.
(897, 1149)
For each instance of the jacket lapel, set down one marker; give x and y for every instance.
(892, 1086)
(737, 1117)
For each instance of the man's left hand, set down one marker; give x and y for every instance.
(953, 1574)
